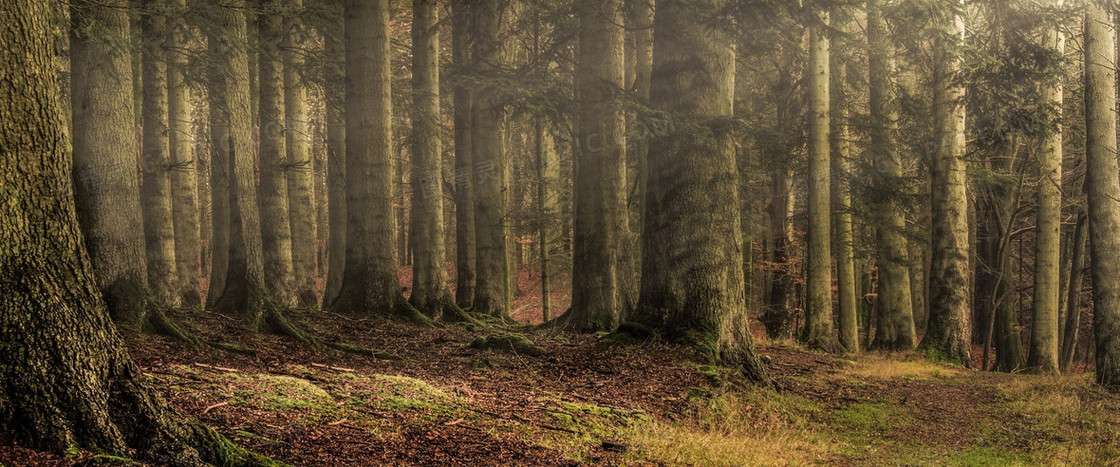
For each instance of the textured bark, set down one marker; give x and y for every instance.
(184, 173)
(299, 167)
(692, 275)
(840, 145)
(67, 380)
(159, 228)
(949, 330)
(105, 180)
(492, 288)
(244, 291)
(430, 289)
(600, 227)
(335, 91)
(1102, 180)
(778, 315)
(895, 313)
(548, 179)
(819, 332)
(276, 230)
(640, 16)
(369, 285)
(1072, 296)
(1044, 345)
(461, 30)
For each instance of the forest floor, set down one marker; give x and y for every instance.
(428, 397)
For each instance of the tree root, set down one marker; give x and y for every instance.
(160, 323)
(354, 349)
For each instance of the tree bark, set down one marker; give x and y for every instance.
(370, 285)
(184, 168)
(462, 30)
(430, 289)
(601, 227)
(819, 332)
(299, 167)
(1102, 174)
(895, 311)
(1073, 291)
(840, 145)
(335, 96)
(492, 288)
(1044, 345)
(949, 330)
(692, 274)
(159, 228)
(105, 182)
(68, 382)
(276, 227)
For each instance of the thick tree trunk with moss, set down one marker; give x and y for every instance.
(1102, 184)
(159, 228)
(334, 66)
(301, 190)
(840, 145)
(692, 274)
(819, 332)
(600, 227)
(461, 30)
(105, 180)
(67, 381)
(184, 168)
(1044, 345)
(369, 285)
(244, 291)
(492, 287)
(895, 326)
(276, 227)
(949, 330)
(431, 293)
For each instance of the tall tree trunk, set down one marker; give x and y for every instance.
(949, 330)
(819, 332)
(492, 288)
(370, 285)
(1073, 291)
(598, 274)
(276, 227)
(1102, 174)
(462, 30)
(641, 14)
(430, 289)
(895, 311)
(184, 168)
(548, 179)
(68, 382)
(159, 228)
(299, 167)
(692, 274)
(335, 96)
(1044, 346)
(842, 240)
(244, 290)
(105, 181)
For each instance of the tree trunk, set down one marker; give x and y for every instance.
(1073, 292)
(244, 291)
(299, 166)
(548, 178)
(461, 29)
(819, 332)
(430, 290)
(949, 331)
(105, 181)
(184, 168)
(1102, 185)
(68, 382)
(492, 288)
(370, 285)
(276, 227)
(335, 96)
(692, 274)
(894, 306)
(1044, 346)
(598, 274)
(840, 145)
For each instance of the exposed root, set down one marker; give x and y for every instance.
(160, 323)
(358, 350)
(280, 325)
(233, 348)
(508, 342)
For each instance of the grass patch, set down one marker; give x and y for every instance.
(905, 367)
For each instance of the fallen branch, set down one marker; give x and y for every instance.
(212, 407)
